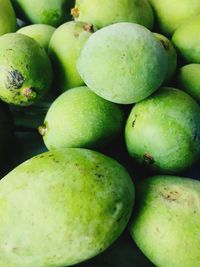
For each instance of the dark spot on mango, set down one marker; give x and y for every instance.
(148, 158)
(14, 80)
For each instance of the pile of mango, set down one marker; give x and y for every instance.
(121, 129)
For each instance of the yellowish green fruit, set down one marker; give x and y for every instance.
(80, 118)
(64, 48)
(8, 22)
(26, 72)
(67, 206)
(39, 32)
(166, 224)
(103, 13)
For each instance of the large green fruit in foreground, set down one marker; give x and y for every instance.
(187, 39)
(110, 63)
(166, 224)
(8, 22)
(39, 32)
(43, 11)
(80, 118)
(64, 48)
(103, 13)
(189, 80)
(26, 72)
(163, 131)
(62, 207)
(171, 14)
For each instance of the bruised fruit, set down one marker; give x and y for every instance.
(80, 118)
(166, 224)
(67, 206)
(123, 63)
(26, 72)
(64, 48)
(8, 21)
(49, 12)
(171, 55)
(171, 14)
(163, 131)
(187, 39)
(189, 80)
(103, 13)
(39, 32)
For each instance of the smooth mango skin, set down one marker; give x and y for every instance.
(67, 206)
(171, 14)
(163, 131)
(39, 32)
(49, 12)
(103, 13)
(8, 21)
(110, 63)
(186, 39)
(171, 55)
(26, 72)
(166, 224)
(64, 49)
(189, 80)
(80, 118)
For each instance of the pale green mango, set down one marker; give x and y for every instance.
(123, 63)
(163, 131)
(103, 13)
(62, 207)
(64, 48)
(8, 21)
(166, 224)
(39, 32)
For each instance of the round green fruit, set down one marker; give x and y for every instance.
(163, 131)
(8, 21)
(64, 49)
(166, 224)
(68, 205)
(39, 32)
(80, 118)
(26, 72)
(103, 13)
(189, 80)
(123, 63)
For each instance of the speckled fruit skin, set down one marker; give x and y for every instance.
(186, 39)
(68, 205)
(166, 223)
(110, 63)
(171, 14)
(64, 48)
(189, 80)
(39, 32)
(8, 22)
(80, 118)
(26, 72)
(103, 13)
(53, 13)
(171, 55)
(163, 131)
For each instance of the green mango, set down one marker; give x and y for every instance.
(39, 32)
(189, 80)
(8, 21)
(186, 39)
(26, 72)
(103, 13)
(166, 224)
(80, 118)
(62, 207)
(49, 12)
(64, 49)
(163, 131)
(171, 14)
(123, 63)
